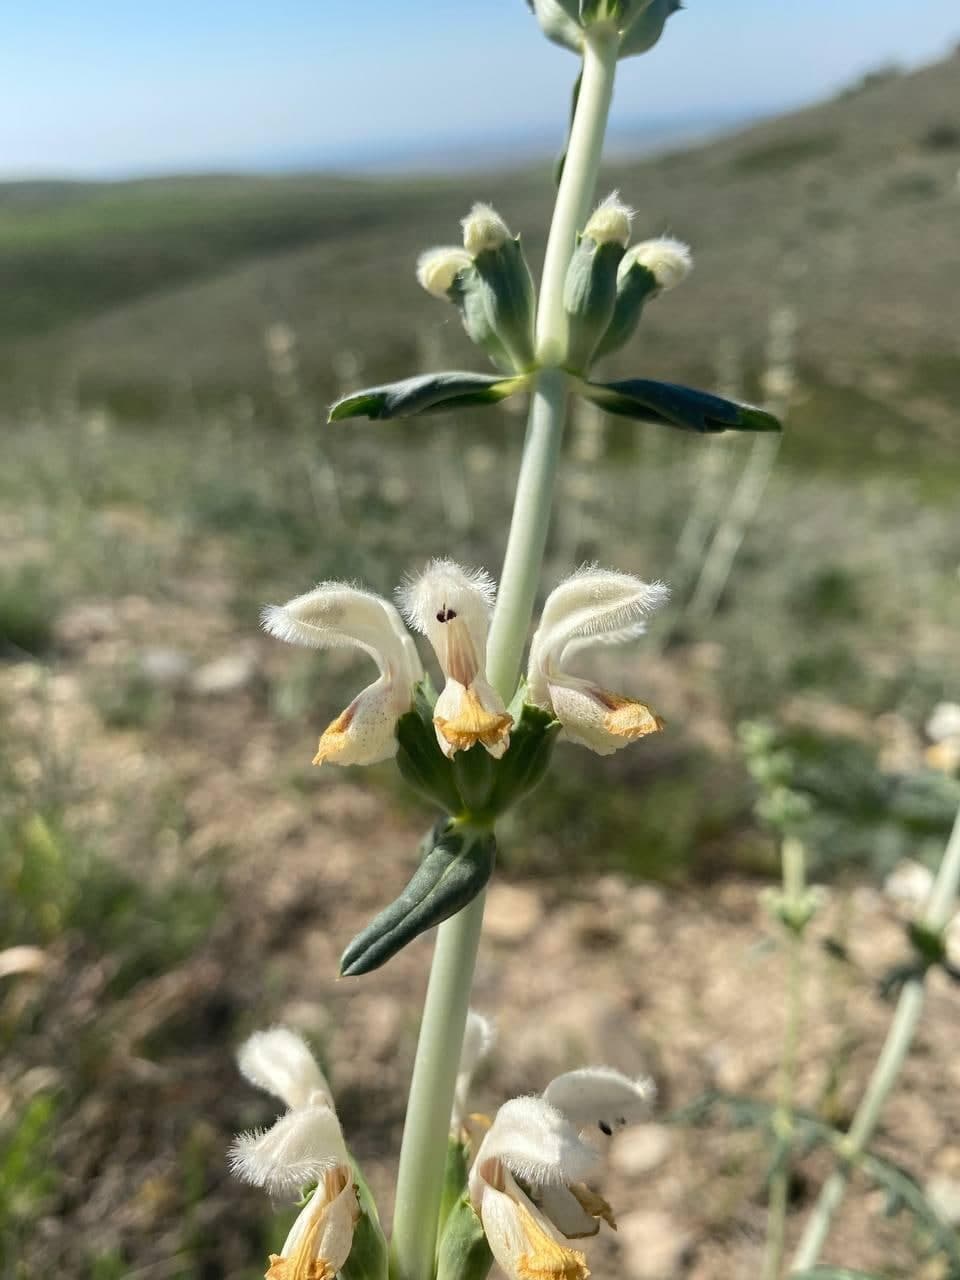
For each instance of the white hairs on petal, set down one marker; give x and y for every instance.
(538, 1144)
(444, 584)
(600, 1098)
(279, 1061)
(295, 1151)
(597, 607)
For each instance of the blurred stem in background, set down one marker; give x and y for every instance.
(794, 914)
(423, 1151)
(891, 1060)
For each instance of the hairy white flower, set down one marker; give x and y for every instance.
(528, 1182)
(610, 221)
(304, 1142)
(483, 229)
(451, 606)
(303, 1147)
(478, 1039)
(669, 261)
(591, 607)
(339, 615)
(438, 268)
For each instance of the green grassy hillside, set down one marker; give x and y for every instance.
(846, 213)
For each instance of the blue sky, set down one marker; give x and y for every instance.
(115, 86)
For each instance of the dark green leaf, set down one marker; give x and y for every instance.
(428, 392)
(449, 876)
(673, 405)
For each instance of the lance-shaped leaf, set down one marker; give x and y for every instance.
(427, 392)
(673, 405)
(449, 876)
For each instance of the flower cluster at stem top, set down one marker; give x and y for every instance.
(452, 607)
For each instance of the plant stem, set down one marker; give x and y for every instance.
(577, 188)
(422, 1155)
(885, 1073)
(528, 531)
(423, 1151)
(793, 892)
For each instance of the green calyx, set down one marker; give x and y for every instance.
(634, 289)
(473, 786)
(463, 1252)
(369, 1253)
(458, 854)
(501, 300)
(590, 298)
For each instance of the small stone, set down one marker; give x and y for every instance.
(165, 668)
(655, 1244)
(944, 1194)
(647, 900)
(512, 913)
(909, 883)
(229, 674)
(640, 1150)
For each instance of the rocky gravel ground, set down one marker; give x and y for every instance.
(686, 985)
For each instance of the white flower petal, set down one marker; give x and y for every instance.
(451, 606)
(321, 1238)
(669, 261)
(280, 1062)
(610, 221)
(537, 1143)
(591, 607)
(293, 1152)
(524, 1243)
(483, 229)
(599, 1098)
(337, 615)
(365, 732)
(438, 268)
(464, 716)
(566, 1213)
(598, 719)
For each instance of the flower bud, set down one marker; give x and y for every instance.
(645, 270)
(637, 24)
(669, 261)
(498, 299)
(437, 269)
(646, 27)
(484, 229)
(590, 287)
(610, 221)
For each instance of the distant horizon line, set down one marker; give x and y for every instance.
(441, 153)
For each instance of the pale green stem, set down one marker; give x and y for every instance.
(794, 889)
(423, 1151)
(422, 1155)
(885, 1073)
(528, 531)
(577, 188)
